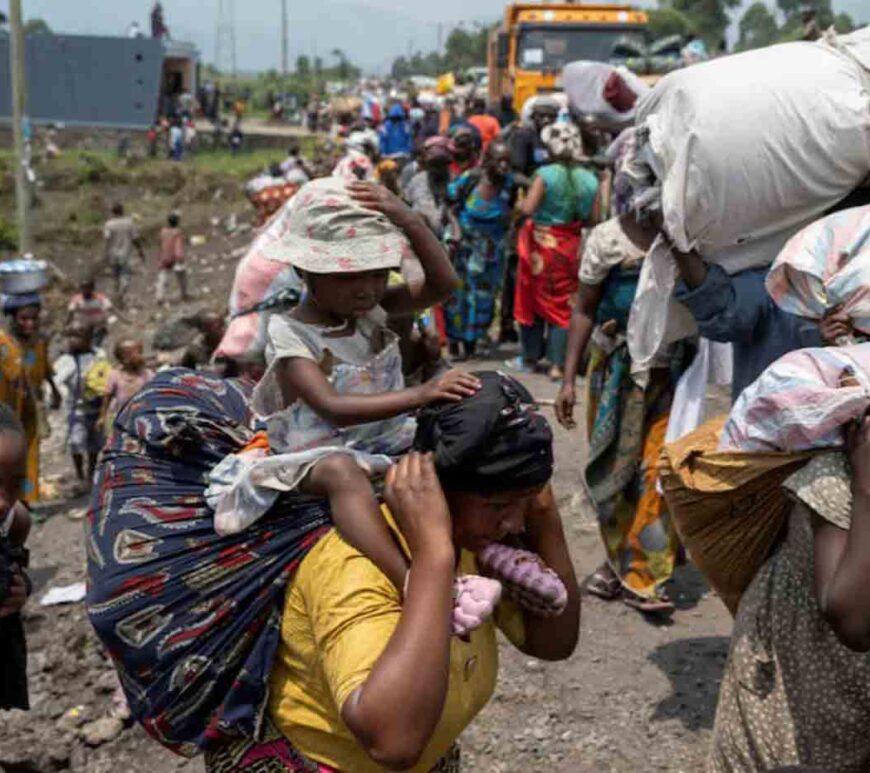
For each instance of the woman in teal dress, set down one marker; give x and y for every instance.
(484, 200)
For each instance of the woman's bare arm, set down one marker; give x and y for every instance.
(395, 712)
(582, 322)
(534, 198)
(842, 558)
(553, 638)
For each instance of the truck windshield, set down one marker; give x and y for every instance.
(551, 47)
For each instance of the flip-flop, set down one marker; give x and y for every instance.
(603, 583)
(659, 605)
(526, 579)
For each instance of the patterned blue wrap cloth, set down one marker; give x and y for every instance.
(191, 619)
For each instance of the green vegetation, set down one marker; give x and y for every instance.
(8, 235)
(308, 79)
(758, 25)
(463, 49)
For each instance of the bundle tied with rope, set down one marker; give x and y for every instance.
(729, 507)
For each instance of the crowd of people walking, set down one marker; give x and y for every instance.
(332, 518)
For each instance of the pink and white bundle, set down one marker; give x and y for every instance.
(802, 401)
(824, 265)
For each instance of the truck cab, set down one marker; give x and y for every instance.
(535, 41)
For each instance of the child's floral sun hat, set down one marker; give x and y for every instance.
(325, 231)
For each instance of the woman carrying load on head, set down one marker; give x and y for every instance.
(626, 422)
(562, 199)
(24, 367)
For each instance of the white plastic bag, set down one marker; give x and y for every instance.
(712, 365)
(656, 319)
(584, 85)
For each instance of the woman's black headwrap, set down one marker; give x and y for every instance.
(494, 441)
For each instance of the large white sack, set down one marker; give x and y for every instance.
(756, 145)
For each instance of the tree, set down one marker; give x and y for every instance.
(37, 27)
(343, 70)
(303, 66)
(757, 28)
(709, 17)
(664, 22)
(794, 8)
(465, 49)
(844, 23)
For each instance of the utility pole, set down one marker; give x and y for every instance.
(284, 51)
(19, 108)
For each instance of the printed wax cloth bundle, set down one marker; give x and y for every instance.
(826, 265)
(191, 619)
(734, 197)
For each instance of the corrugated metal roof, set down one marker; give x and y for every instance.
(87, 81)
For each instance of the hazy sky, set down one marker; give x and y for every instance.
(372, 32)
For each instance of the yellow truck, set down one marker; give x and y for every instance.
(536, 40)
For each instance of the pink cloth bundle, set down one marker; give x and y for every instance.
(824, 265)
(802, 401)
(257, 278)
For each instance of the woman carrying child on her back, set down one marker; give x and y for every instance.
(333, 398)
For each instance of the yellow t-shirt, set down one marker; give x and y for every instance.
(339, 614)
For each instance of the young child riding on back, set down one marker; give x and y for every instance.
(333, 397)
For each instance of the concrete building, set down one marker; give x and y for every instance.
(82, 80)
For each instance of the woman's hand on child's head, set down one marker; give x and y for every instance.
(378, 198)
(415, 498)
(452, 386)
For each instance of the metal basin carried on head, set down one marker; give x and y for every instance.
(22, 276)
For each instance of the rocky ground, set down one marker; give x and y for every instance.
(636, 695)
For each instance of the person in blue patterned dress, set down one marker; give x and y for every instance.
(484, 199)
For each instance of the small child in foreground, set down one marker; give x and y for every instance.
(14, 584)
(335, 405)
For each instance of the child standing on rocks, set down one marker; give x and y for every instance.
(172, 254)
(77, 371)
(124, 381)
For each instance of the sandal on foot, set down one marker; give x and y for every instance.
(659, 604)
(519, 365)
(603, 583)
(474, 601)
(526, 578)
